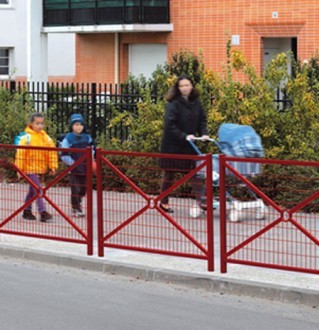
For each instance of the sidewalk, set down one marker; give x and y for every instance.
(298, 288)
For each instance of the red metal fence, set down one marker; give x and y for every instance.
(267, 209)
(278, 225)
(129, 212)
(53, 191)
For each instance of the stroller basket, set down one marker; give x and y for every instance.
(243, 142)
(244, 168)
(239, 141)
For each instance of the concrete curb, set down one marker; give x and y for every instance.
(210, 283)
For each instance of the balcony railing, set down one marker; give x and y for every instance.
(104, 12)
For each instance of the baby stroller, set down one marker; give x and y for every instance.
(237, 141)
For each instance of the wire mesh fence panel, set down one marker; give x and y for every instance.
(133, 215)
(275, 224)
(39, 203)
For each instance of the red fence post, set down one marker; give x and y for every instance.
(222, 205)
(100, 226)
(89, 160)
(210, 216)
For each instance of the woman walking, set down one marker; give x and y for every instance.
(184, 119)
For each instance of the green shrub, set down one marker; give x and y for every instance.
(14, 113)
(289, 134)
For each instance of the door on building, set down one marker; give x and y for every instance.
(273, 47)
(144, 58)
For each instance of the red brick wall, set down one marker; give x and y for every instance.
(61, 79)
(207, 25)
(123, 61)
(95, 57)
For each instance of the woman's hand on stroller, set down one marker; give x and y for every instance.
(190, 137)
(205, 138)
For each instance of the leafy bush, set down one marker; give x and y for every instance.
(289, 134)
(14, 114)
(145, 127)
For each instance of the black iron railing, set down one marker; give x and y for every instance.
(98, 103)
(281, 101)
(97, 12)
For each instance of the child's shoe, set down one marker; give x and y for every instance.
(28, 215)
(78, 213)
(203, 204)
(45, 216)
(166, 208)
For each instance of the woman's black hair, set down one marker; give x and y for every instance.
(174, 93)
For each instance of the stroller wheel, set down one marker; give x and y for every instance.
(260, 213)
(215, 204)
(195, 212)
(233, 216)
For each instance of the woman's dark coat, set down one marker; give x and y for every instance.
(182, 118)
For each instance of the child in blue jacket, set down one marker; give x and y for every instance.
(77, 138)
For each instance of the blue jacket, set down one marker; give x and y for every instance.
(77, 141)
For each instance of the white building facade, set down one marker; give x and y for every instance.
(26, 53)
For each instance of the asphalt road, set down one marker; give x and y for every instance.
(41, 296)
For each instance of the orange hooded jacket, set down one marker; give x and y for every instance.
(36, 161)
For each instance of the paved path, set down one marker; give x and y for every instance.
(253, 281)
(243, 280)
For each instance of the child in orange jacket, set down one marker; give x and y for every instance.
(35, 162)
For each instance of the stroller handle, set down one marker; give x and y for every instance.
(191, 142)
(201, 139)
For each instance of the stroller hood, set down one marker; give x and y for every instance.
(239, 141)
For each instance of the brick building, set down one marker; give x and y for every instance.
(260, 28)
(115, 38)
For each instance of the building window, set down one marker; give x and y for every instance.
(4, 61)
(144, 58)
(4, 2)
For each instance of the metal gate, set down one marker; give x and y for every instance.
(270, 219)
(129, 212)
(54, 191)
